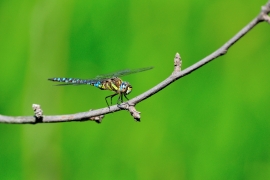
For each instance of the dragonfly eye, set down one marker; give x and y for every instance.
(123, 86)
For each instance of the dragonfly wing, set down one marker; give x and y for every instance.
(127, 72)
(123, 73)
(74, 84)
(97, 79)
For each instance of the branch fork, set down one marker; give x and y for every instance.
(264, 12)
(97, 119)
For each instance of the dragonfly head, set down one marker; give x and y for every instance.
(129, 89)
(125, 87)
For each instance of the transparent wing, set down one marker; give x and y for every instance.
(100, 78)
(122, 73)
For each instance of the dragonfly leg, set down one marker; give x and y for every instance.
(126, 96)
(127, 99)
(120, 99)
(111, 98)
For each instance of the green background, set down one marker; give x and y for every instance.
(211, 124)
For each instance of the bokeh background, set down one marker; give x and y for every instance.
(211, 124)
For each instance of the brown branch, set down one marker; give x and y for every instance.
(98, 115)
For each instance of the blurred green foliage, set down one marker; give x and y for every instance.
(212, 124)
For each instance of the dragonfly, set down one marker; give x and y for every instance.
(111, 82)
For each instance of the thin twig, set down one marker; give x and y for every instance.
(98, 115)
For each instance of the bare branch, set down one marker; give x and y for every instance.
(98, 115)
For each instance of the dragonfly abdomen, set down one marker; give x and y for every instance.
(76, 81)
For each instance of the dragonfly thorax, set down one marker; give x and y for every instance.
(125, 87)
